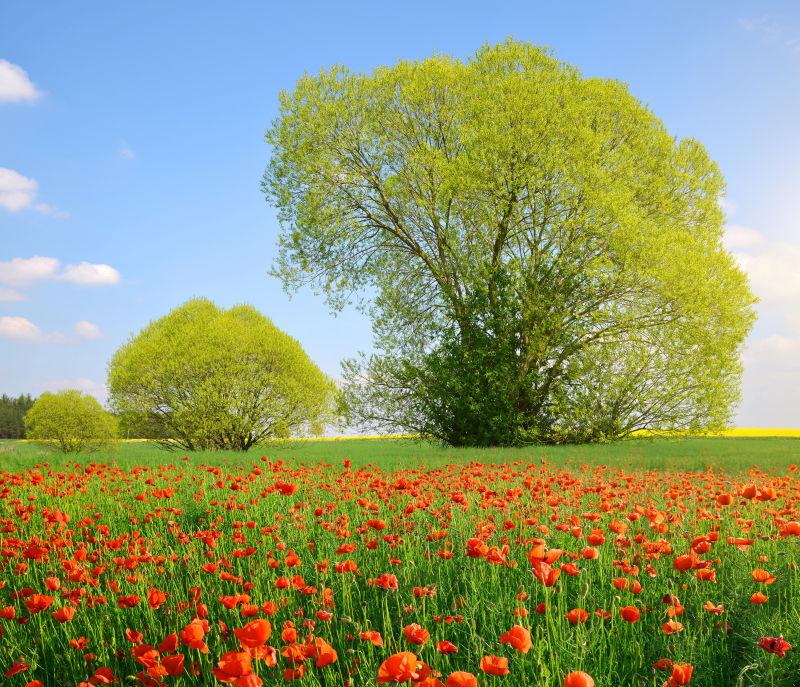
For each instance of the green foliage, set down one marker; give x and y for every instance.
(12, 415)
(541, 259)
(459, 391)
(70, 420)
(206, 378)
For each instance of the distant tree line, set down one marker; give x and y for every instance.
(12, 415)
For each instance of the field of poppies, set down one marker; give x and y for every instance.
(249, 570)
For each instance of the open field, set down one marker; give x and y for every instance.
(322, 562)
(735, 455)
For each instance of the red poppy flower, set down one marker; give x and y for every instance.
(192, 635)
(577, 615)
(322, 652)
(578, 678)
(775, 645)
(518, 637)
(169, 644)
(253, 634)
(372, 636)
(173, 665)
(445, 647)
(415, 634)
(761, 575)
(461, 679)
(156, 598)
(681, 675)
(64, 614)
(495, 665)
(400, 667)
(103, 676)
(16, 668)
(233, 665)
(37, 603)
(630, 613)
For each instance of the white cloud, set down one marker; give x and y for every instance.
(17, 328)
(22, 329)
(126, 152)
(11, 296)
(780, 345)
(15, 86)
(26, 271)
(773, 266)
(87, 330)
(737, 236)
(771, 384)
(18, 192)
(90, 274)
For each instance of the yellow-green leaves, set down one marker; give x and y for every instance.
(70, 420)
(206, 378)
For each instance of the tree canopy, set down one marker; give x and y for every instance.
(541, 259)
(71, 420)
(206, 378)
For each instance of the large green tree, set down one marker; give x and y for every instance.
(542, 260)
(206, 378)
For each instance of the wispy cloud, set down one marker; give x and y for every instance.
(15, 86)
(774, 30)
(11, 296)
(50, 211)
(87, 330)
(27, 271)
(18, 192)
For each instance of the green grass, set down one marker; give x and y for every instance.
(730, 454)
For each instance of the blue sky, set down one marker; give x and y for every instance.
(131, 153)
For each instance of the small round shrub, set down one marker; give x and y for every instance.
(70, 420)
